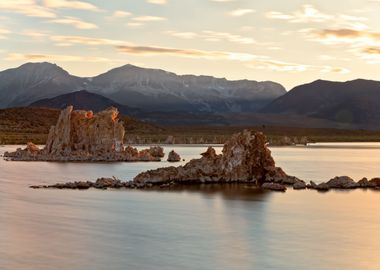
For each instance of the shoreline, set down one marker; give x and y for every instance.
(342, 183)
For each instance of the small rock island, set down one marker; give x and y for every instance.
(84, 136)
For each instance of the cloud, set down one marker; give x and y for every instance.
(347, 36)
(240, 12)
(26, 7)
(307, 14)
(121, 14)
(3, 33)
(213, 36)
(53, 57)
(372, 50)
(70, 4)
(310, 14)
(148, 19)
(76, 22)
(282, 66)
(92, 41)
(157, 2)
(192, 53)
(185, 35)
(363, 44)
(253, 61)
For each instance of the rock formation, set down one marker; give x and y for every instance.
(84, 136)
(157, 151)
(245, 158)
(173, 156)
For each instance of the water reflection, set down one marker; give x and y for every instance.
(190, 227)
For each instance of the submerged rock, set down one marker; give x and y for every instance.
(245, 158)
(173, 156)
(274, 186)
(299, 185)
(84, 136)
(375, 182)
(342, 182)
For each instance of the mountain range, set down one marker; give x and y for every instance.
(147, 89)
(166, 98)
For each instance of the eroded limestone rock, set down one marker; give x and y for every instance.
(84, 136)
(157, 151)
(174, 157)
(245, 158)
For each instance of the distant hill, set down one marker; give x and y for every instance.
(33, 81)
(39, 120)
(83, 100)
(146, 89)
(354, 102)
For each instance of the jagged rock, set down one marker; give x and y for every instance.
(364, 183)
(84, 136)
(173, 156)
(342, 182)
(322, 187)
(157, 151)
(104, 183)
(375, 182)
(274, 186)
(299, 185)
(32, 148)
(312, 185)
(245, 158)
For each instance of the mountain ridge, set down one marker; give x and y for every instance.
(355, 101)
(149, 89)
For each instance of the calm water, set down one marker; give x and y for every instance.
(210, 228)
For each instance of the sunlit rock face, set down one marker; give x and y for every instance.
(245, 158)
(84, 131)
(84, 136)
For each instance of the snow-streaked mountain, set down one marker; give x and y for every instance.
(33, 81)
(159, 90)
(147, 89)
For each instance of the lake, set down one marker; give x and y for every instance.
(234, 227)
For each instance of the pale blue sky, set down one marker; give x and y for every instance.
(291, 42)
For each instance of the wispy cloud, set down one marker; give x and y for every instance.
(53, 57)
(310, 14)
(26, 7)
(76, 22)
(192, 53)
(253, 61)
(213, 36)
(121, 14)
(83, 40)
(3, 33)
(70, 4)
(157, 2)
(240, 12)
(148, 19)
(363, 44)
(283, 66)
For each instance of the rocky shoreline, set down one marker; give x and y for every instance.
(337, 183)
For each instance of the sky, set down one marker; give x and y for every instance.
(291, 42)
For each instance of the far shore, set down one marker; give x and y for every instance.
(208, 135)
